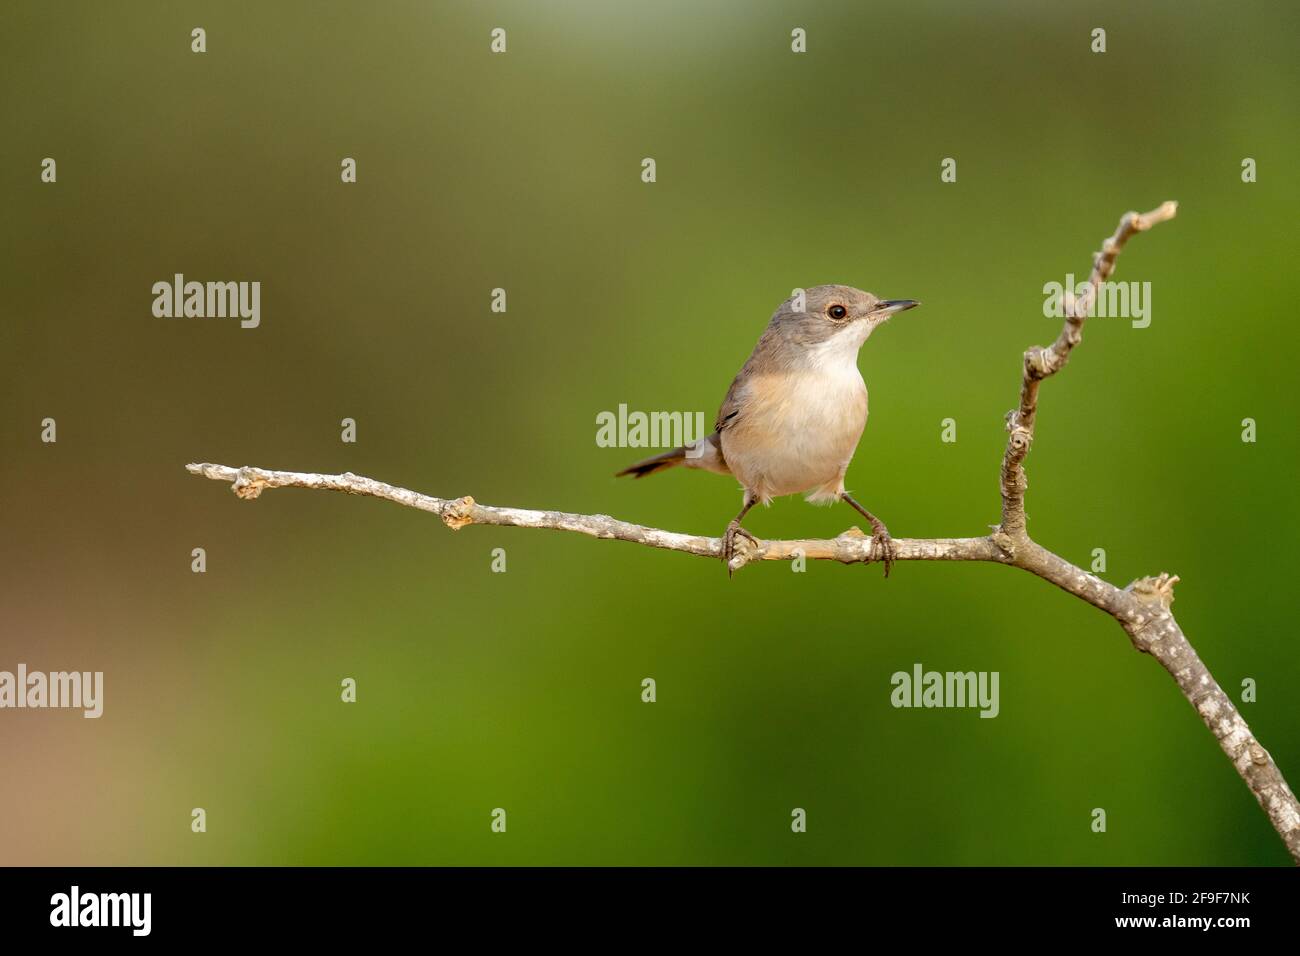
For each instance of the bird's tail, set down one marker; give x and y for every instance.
(669, 459)
(705, 453)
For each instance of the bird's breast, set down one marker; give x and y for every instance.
(797, 429)
(791, 403)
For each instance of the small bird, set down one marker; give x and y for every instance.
(794, 413)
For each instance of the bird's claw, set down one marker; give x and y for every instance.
(882, 547)
(729, 549)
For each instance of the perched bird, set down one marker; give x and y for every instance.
(793, 416)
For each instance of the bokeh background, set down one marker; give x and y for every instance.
(522, 690)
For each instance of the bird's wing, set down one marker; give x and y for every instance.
(728, 414)
(730, 406)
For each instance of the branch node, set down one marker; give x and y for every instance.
(456, 514)
(1155, 592)
(1036, 362)
(248, 485)
(1004, 541)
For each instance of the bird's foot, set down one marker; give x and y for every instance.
(730, 547)
(882, 545)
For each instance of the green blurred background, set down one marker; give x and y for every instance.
(522, 690)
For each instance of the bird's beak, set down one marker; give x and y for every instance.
(891, 306)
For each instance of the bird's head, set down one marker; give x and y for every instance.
(838, 316)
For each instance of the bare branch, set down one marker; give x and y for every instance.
(1142, 609)
(1039, 363)
(849, 548)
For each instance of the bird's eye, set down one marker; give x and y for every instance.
(837, 312)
